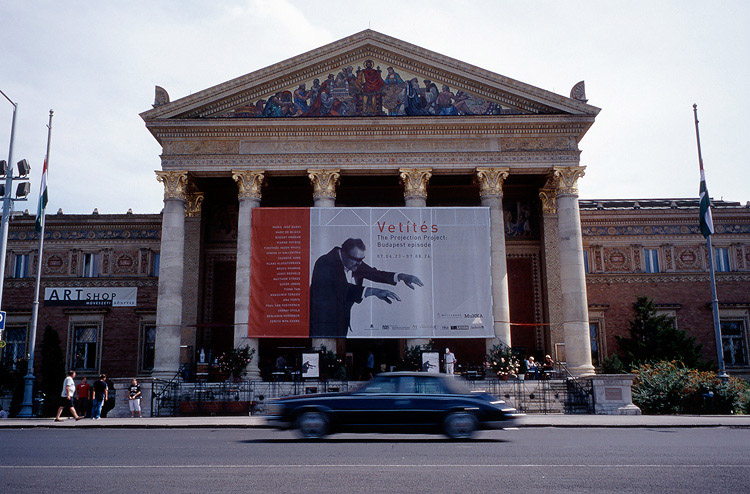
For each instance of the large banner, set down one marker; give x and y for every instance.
(370, 273)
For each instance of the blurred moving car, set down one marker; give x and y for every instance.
(406, 402)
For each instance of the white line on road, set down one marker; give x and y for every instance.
(400, 466)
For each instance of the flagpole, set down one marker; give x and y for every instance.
(714, 298)
(27, 407)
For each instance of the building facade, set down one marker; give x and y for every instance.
(391, 125)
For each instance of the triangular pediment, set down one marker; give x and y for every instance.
(367, 75)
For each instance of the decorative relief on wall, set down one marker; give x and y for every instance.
(669, 257)
(144, 261)
(125, 262)
(598, 231)
(539, 144)
(74, 263)
(106, 234)
(55, 263)
(636, 252)
(366, 88)
(616, 259)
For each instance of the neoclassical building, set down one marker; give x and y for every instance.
(372, 121)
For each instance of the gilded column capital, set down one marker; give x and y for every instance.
(491, 180)
(415, 181)
(249, 183)
(175, 183)
(193, 203)
(548, 195)
(324, 182)
(566, 179)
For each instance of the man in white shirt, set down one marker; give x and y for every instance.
(450, 362)
(66, 397)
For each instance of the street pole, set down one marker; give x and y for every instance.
(7, 202)
(27, 407)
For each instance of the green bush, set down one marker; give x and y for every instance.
(412, 360)
(503, 361)
(671, 388)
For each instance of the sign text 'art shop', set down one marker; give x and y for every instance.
(90, 297)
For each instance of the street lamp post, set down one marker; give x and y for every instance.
(7, 201)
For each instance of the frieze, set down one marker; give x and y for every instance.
(86, 234)
(616, 259)
(604, 231)
(592, 279)
(344, 147)
(539, 144)
(55, 263)
(687, 258)
(125, 262)
(201, 147)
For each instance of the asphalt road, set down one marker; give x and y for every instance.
(527, 460)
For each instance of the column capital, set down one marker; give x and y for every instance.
(324, 182)
(193, 203)
(249, 183)
(548, 195)
(566, 179)
(491, 180)
(175, 183)
(415, 181)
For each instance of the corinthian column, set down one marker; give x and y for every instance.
(415, 196)
(415, 186)
(491, 193)
(169, 303)
(324, 196)
(324, 187)
(249, 183)
(572, 272)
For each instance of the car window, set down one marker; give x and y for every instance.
(430, 386)
(407, 385)
(381, 385)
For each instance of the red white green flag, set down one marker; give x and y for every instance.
(42, 199)
(706, 221)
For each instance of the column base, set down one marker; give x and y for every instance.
(582, 370)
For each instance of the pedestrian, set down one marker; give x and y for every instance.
(84, 393)
(111, 401)
(101, 393)
(134, 398)
(370, 365)
(450, 362)
(66, 397)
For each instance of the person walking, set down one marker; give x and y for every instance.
(101, 392)
(111, 400)
(84, 393)
(66, 397)
(134, 398)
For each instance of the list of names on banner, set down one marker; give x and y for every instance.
(284, 256)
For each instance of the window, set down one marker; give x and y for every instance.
(85, 340)
(652, 260)
(148, 343)
(594, 331)
(90, 265)
(586, 261)
(721, 260)
(21, 266)
(733, 337)
(155, 258)
(15, 346)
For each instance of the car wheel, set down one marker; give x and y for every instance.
(312, 425)
(460, 425)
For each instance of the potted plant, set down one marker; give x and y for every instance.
(503, 362)
(235, 362)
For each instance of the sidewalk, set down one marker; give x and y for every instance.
(535, 420)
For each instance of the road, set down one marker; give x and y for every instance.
(526, 460)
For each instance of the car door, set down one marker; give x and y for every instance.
(372, 405)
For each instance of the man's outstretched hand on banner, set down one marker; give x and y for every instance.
(410, 280)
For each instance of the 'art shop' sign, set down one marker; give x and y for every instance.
(90, 297)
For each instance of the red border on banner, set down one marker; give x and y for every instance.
(279, 273)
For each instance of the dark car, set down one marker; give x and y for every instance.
(413, 402)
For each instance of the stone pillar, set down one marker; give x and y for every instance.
(554, 302)
(191, 274)
(169, 304)
(491, 193)
(249, 184)
(415, 196)
(572, 272)
(324, 196)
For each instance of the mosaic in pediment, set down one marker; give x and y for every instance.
(368, 89)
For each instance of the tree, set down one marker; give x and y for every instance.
(52, 370)
(655, 338)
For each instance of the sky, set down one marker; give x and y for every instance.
(644, 62)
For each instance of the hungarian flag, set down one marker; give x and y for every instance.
(42, 199)
(706, 221)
